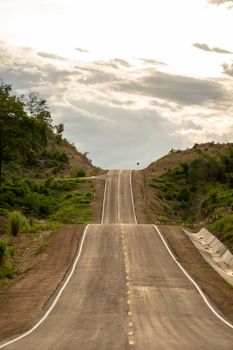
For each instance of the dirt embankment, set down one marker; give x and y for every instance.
(144, 200)
(214, 286)
(25, 301)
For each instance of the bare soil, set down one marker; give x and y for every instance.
(214, 286)
(40, 275)
(97, 204)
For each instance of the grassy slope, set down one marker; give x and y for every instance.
(45, 199)
(173, 198)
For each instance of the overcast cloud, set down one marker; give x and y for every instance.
(219, 2)
(114, 104)
(228, 68)
(205, 47)
(125, 92)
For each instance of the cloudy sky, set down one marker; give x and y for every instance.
(130, 79)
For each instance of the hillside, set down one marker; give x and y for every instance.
(40, 185)
(193, 188)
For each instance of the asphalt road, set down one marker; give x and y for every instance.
(127, 292)
(118, 206)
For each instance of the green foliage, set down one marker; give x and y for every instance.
(61, 200)
(22, 135)
(4, 252)
(224, 226)
(59, 128)
(184, 195)
(74, 209)
(6, 272)
(80, 172)
(56, 156)
(16, 222)
(198, 190)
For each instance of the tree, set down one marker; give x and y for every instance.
(59, 128)
(38, 108)
(11, 113)
(22, 135)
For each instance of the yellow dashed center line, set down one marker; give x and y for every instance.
(126, 264)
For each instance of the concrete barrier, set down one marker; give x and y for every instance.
(213, 251)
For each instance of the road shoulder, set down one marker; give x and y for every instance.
(213, 285)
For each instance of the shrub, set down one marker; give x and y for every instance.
(49, 182)
(16, 222)
(80, 172)
(4, 252)
(184, 195)
(6, 272)
(170, 194)
(224, 225)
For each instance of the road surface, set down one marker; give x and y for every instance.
(127, 292)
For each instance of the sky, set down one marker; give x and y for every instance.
(130, 79)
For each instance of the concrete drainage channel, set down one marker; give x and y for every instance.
(214, 252)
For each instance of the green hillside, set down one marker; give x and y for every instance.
(40, 185)
(194, 188)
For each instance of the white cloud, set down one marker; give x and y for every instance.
(206, 47)
(122, 111)
(219, 2)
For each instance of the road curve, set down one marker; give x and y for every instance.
(127, 292)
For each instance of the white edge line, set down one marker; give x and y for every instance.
(131, 189)
(104, 200)
(118, 196)
(55, 300)
(193, 282)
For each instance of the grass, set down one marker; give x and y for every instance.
(6, 271)
(33, 210)
(51, 199)
(16, 222)
(198, 193)
(224, 226)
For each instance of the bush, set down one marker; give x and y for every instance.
(16, 222)
(184, 195)
(6, 272)
(4, 252)
(224, 225)
(80, 172)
